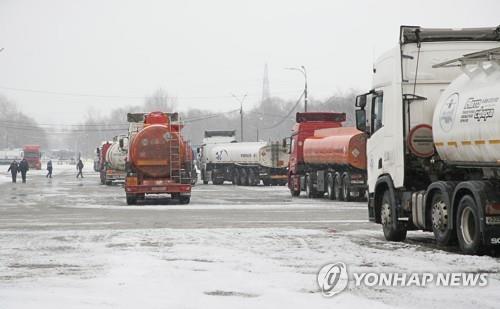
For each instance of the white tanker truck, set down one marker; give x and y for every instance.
(114, 156)
(433, 151)
(246, 163)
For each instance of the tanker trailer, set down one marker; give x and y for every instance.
(327, 158)
(247, 163)
(434, 147)
(114, 161)
(211, 139)
(158, 161)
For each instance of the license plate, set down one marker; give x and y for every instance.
(159, 188)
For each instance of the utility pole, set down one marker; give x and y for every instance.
(241, 113)
(302, 70)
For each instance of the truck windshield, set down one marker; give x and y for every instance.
(31, 155)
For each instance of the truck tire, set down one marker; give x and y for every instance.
(330, 186)
(439, 219)
(252, 178)
(184, 199)
(387, 217)
(346, 187)
(236, 177)
(243, 177)
(131, 199)
(468, 232)
(266, 182)
(337, 187)
(310, 192)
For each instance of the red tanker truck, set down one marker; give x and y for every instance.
(32, 154)
(159, 161)
(326, 157)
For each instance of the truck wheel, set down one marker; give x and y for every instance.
(294, 193)
(346, 187)
(330, 186)
(310, 193)
(468, 233)
(337, 187)
(439, 216)
(243, 177)
(387, 218)
(131, 199)
(184, 199)
(266, 182)
(251, 177)
(236, 177)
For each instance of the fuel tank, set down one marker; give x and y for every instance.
(155, 149)
(466, 120)
(336, 146)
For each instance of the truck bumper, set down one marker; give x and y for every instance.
(183, 189)
(491, 234)
(115, 176)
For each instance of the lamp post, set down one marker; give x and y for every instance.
(302, 70)
(241, 113)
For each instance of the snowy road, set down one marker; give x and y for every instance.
(68, 243)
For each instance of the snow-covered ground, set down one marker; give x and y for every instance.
(222, 268)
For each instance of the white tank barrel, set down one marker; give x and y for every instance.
(115, 157)
(466, 123)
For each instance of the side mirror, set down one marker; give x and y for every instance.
(120, 142)
(361, 101)
(198, 150)
(361, 120)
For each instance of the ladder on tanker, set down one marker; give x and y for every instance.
(174, 155)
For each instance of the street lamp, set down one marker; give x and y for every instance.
(302, 70)
(241, 113)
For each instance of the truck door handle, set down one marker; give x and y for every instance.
(380, 163)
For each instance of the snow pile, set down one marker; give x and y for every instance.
(221, 268)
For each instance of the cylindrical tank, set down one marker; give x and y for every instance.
(336, 146)
(153, 147)
(115, 157)
(466, 122)
(274, 155)
(246, 152)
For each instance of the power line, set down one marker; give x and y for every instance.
(287, 115)
(91, 95)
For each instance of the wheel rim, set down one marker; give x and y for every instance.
(330, 186)
(385, 215)
(337, 188)
(344, 188)
(468, 226)
(439, 216)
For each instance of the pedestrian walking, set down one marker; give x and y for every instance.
(13, 169)
(49, 169)
(79, 167)
(23, 169)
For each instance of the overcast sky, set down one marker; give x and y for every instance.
(201, 51)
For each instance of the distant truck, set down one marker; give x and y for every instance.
(33, 155)
(433, 150)
(327, 158)
(159, 160)
(246, 163)
(112, 157)
(9, 155)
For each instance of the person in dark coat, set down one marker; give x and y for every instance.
(79, 167)
(13, 169)
(49, 169)
(23, 169)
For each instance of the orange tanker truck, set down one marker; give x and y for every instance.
(159, 160)
(326, 157)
